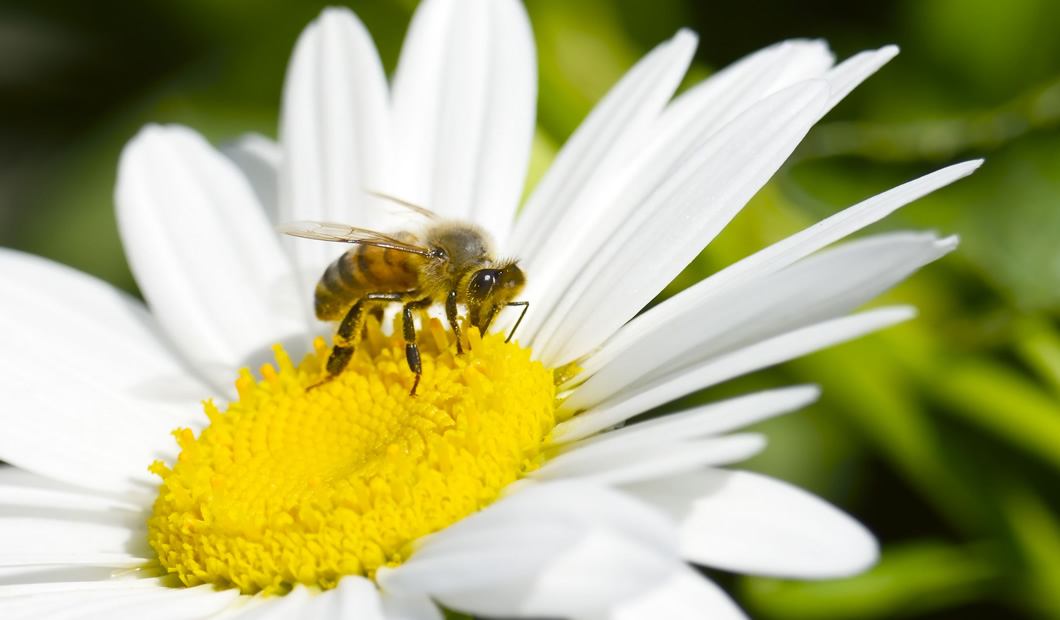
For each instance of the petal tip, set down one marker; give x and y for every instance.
(862, 552)
(808, 46)
(333, 16)
(154, 133)
(948, 244)
(900, 314)
(686, 36)
(806, 394)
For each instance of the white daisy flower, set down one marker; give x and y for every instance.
(494, 491)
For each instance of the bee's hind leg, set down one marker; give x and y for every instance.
(337, 361)
(412, 350)
(348, 333)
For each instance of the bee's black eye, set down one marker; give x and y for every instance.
(482, 282)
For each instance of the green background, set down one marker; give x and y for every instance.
(942, 435)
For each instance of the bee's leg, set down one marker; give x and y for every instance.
(450, 313)
(489, 319)
(337, 361)
(526, 306)
(412, 350)
(493, 314)
(348, 332)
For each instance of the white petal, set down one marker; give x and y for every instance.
(490, 558)
(204, 254)
(177, 604)
(600, 569)
(76, 537)
(776, 257)
(619, 118)
(687, 595)
(576, 504)
(335, 134)
(815, 289)
(532, 553)
(354, 597)
(20, 488)
(681, 210)
(711, 372)
(700, 111)
(553, 550)
(641, 162)
(259, 159)
(92, 391)
(112, 585)
(14, 578)
(748, 523)
(614, 465)
(121, 603)
(46, 523)
(855, 69)
(290, 605)
(707, 420)
(400, 607)
(465, 96)
(707, 106)
(583, 310)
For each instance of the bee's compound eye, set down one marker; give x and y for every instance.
(482, 282)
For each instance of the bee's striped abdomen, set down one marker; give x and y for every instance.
(362, 270)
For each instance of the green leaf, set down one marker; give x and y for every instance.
(910, 579)
(995, 397)
(1037, 534)
(867, 389)
(587, 52)
(1038, 343)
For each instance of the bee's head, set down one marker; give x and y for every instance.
(488, 290)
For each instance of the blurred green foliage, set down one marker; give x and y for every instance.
(943, 435)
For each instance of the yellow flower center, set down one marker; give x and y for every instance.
(292, 486)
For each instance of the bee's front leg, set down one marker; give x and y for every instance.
(526, 306)
(450, 313)
(412, 350)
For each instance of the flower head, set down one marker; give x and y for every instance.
(501, 488)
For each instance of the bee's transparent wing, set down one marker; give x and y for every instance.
(332, 231)
(408, 205)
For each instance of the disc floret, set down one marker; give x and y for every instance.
(292, 486)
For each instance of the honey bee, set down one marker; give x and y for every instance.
(450, 262)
